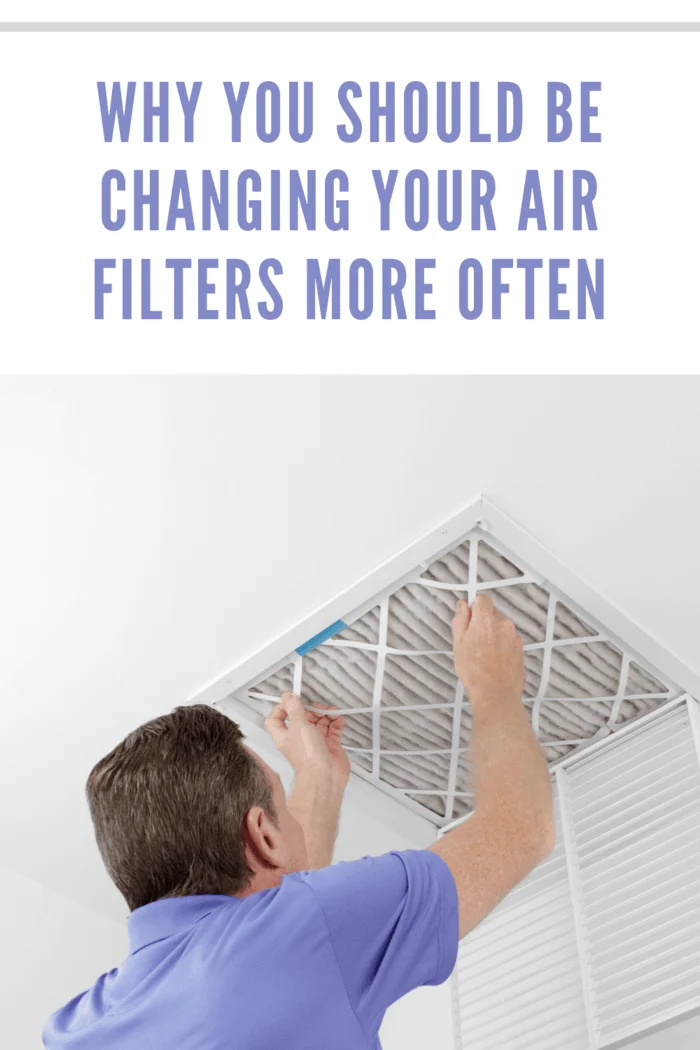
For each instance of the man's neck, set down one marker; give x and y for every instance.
(262, 880)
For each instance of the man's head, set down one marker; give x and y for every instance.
(183, 807)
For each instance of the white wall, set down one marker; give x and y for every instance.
(52, 948)
(421, 1020)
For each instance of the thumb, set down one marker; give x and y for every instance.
(276, 723)
(461, 620)
(290, 709)
(293, 708)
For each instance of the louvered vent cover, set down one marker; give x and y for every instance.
(518, 977)
(388, 666)
(602, 941)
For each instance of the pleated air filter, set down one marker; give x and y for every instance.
(387, 664)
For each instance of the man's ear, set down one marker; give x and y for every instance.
(262, 841)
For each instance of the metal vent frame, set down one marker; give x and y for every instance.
(480, 519)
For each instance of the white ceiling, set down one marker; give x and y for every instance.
(156, 531)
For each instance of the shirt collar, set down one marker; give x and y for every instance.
(169, 916)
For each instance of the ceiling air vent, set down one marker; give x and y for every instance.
(381, 653)
(602, 941)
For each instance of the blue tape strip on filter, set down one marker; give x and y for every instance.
(321, 637)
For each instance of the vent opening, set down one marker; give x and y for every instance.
(390, 671)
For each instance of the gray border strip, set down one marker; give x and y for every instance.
(349, 27)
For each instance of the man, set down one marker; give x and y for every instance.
(241, 937)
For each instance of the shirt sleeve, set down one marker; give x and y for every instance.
(393, 923)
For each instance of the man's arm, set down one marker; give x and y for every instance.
(311, 743)
(315, 801)
(512, 828)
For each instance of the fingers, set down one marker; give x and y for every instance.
(293, 708)
(329, 722)
(461, 620)
(315, 714)
(483, 606)
(484, 609)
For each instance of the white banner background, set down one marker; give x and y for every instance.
(54, 158)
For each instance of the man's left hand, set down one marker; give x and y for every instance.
(309, 739)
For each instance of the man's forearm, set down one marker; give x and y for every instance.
(510, 770)
(315, 802)
(511, 829)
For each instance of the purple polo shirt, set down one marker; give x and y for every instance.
(310, 965)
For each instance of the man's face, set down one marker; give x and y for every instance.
(290, 833)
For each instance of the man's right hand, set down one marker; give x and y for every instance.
(488, 653)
